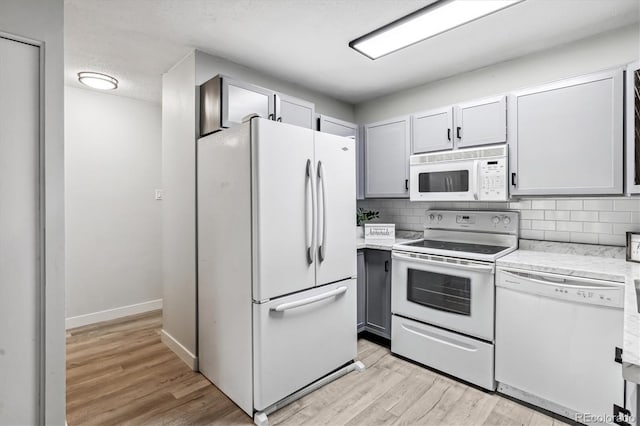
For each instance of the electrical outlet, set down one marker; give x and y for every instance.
(159, 194)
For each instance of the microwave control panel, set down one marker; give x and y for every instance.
(492, 176)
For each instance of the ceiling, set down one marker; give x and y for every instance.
(306, 41)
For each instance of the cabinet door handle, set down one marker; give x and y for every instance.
(272, 117)
(406, 184)
(279, 119)
(386, 266)
(449, 134)
(513, 179)
(458, 129)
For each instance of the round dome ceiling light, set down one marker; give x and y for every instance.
(97, 80)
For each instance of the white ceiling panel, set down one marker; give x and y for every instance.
(306, 41)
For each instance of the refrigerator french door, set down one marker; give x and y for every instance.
(277, 259)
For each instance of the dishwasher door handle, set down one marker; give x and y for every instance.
(539, 279)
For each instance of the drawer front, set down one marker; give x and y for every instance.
(296, 345)
(468, 359)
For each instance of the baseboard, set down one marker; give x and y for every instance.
(182, 352)
(115, 313)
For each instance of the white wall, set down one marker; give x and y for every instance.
(113, 163)
(179, 206)
(42, 21)
(584, 56)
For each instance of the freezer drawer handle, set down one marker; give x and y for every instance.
(309, 300)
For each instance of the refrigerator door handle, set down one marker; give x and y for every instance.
(322, 244)
(311, 222)
(309, 300)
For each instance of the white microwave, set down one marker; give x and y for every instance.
(475, 174)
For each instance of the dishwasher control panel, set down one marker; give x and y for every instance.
(573, 289)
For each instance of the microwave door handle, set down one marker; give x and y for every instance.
(476, 176)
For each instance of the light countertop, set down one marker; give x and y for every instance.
(380, 245)
(595, 267)
(401, 237)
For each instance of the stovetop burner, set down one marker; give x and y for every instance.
(460, 247)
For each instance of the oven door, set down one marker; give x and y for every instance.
(451, 181)
(451, 293)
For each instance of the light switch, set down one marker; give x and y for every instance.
(159, 194)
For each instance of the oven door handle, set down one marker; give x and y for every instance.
(430, 261)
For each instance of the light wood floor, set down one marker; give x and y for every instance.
(120, 373)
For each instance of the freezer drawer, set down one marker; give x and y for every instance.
(298, 339)
(468, 359)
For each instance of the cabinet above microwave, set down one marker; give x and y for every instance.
(468, 124)
(225, 101)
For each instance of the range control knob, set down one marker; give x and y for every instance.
(506, 220)
(495, 220)
(439, 217)
(431, 217)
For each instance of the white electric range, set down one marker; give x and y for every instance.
(443, 292)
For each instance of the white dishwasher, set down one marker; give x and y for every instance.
(556, 340)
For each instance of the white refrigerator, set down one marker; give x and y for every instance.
(276, 260)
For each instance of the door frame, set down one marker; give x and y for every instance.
(42, 299)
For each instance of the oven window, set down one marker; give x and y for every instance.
(449, 181)
(439, 291)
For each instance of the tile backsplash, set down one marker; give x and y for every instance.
(579, 220)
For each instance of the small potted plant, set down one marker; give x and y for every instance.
(363, 216)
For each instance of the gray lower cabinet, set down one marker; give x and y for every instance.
(378, 292)
(362, 288)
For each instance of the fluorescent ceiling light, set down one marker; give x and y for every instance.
(98, 80)
(425, 23)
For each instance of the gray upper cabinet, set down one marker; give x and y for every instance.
(473, 123)
(566, 138)
(338, 127)
(633, 128)
(481, 122)
(387, 149)
(295, 111)
(432, 130)
(224, 102)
